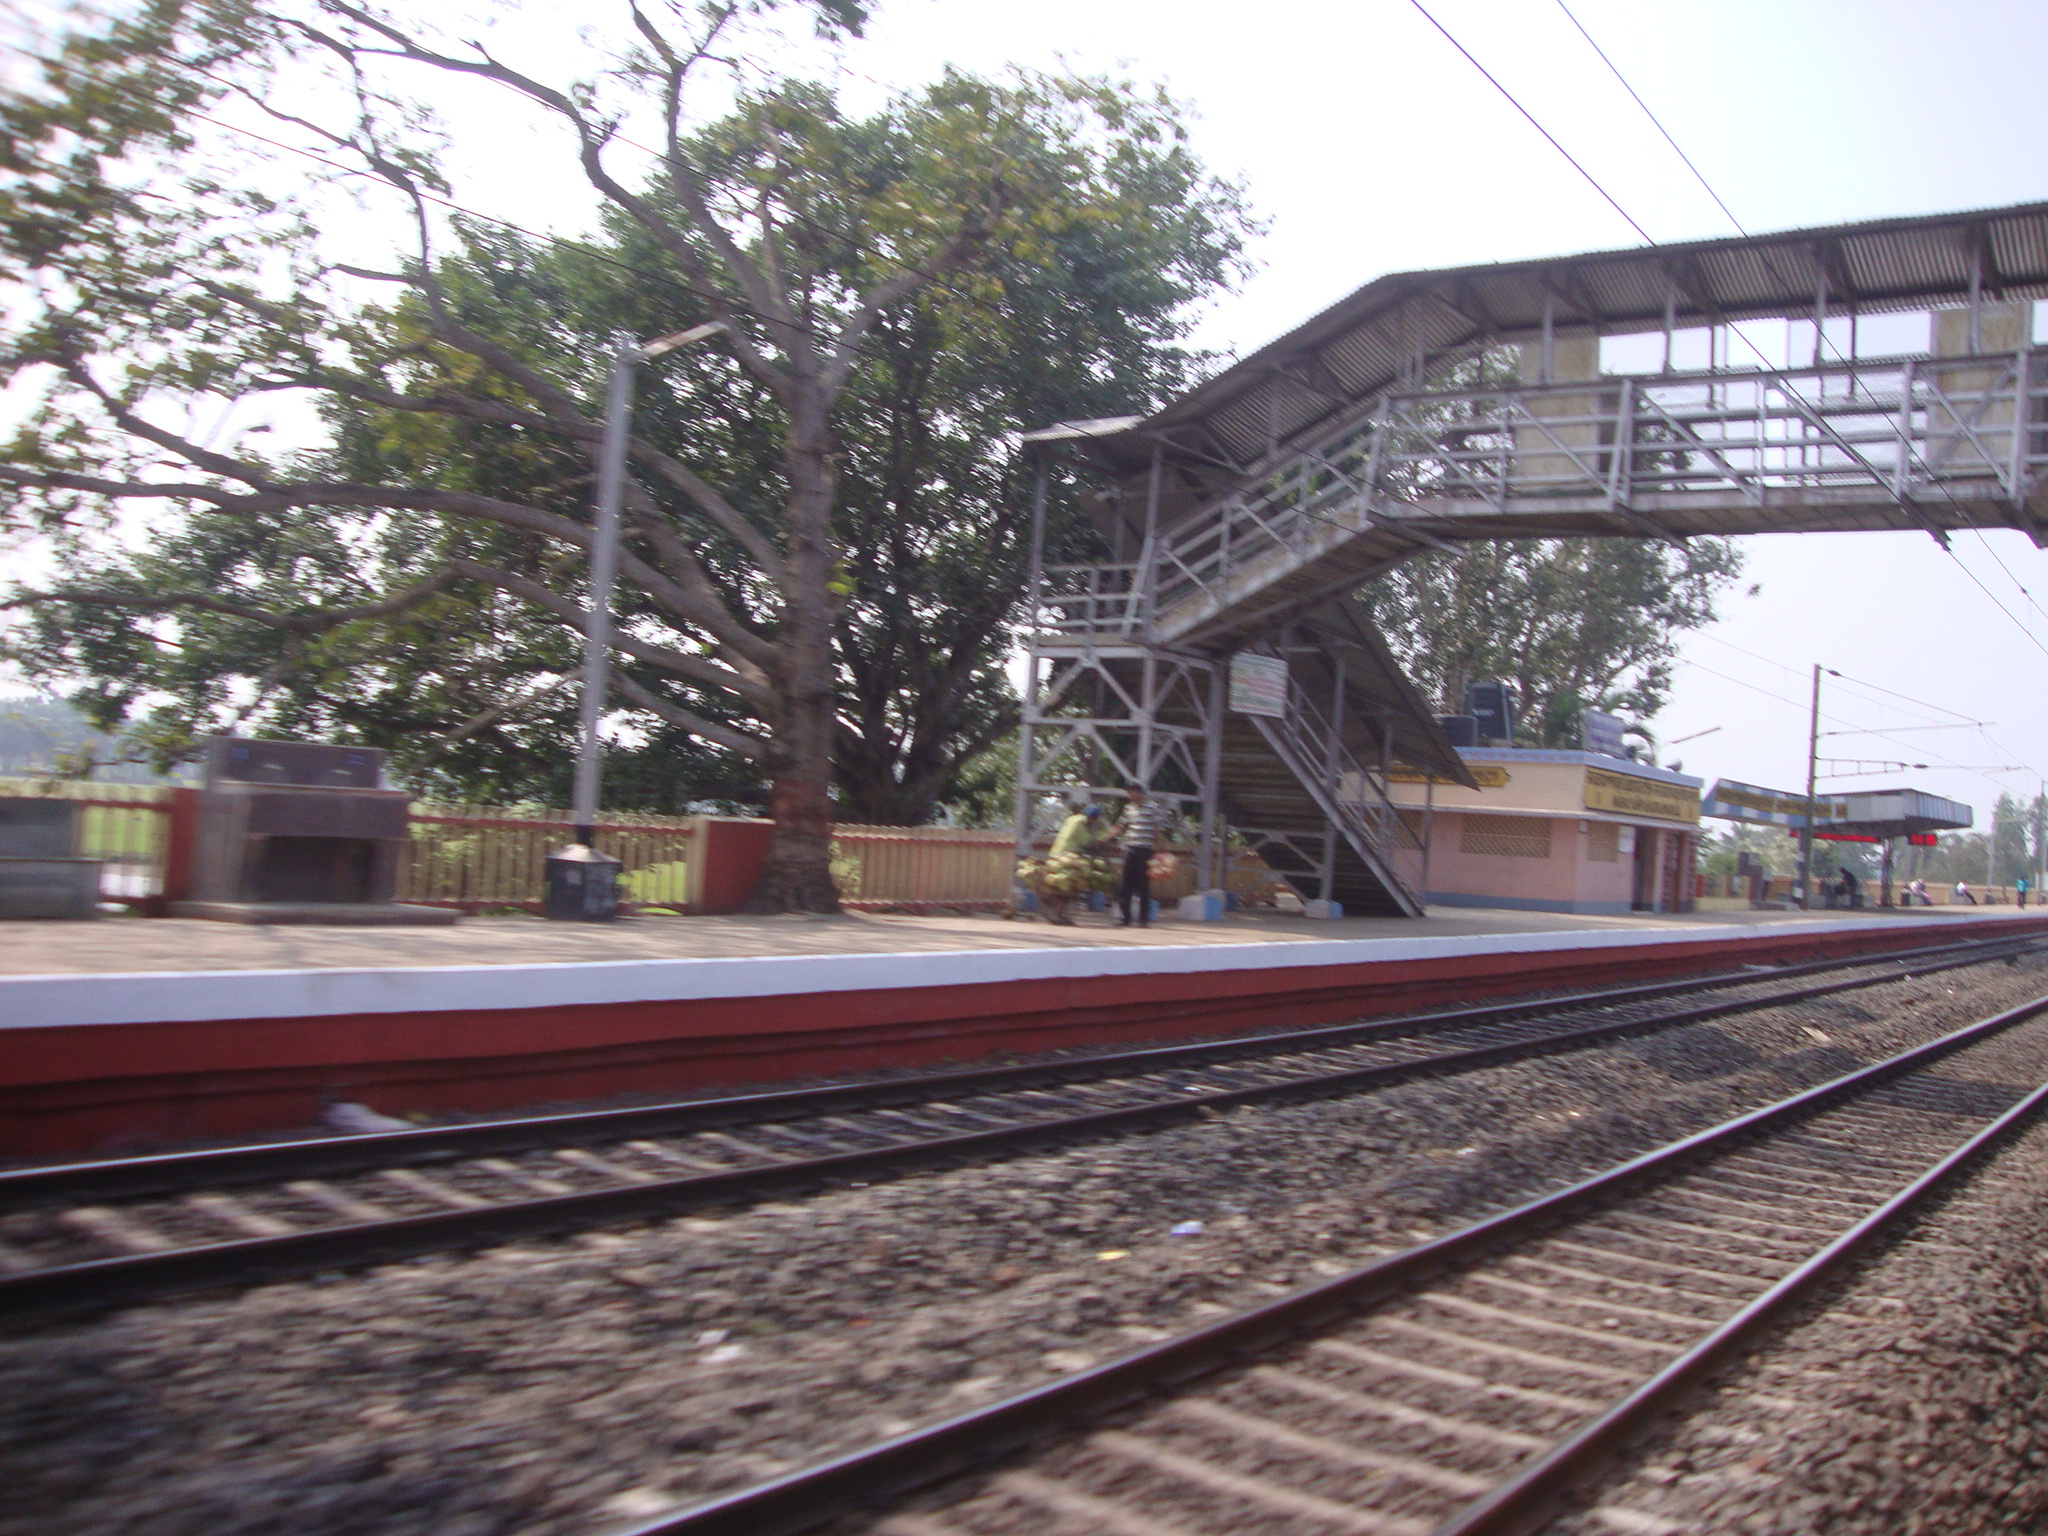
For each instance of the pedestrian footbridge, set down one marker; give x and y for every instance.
(1877, 376)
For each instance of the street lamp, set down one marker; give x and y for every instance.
(582, 883)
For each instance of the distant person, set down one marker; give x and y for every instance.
(2020, 889)
(1849, 889)
(1961, 896)
(1916, 895)
(1142, 820)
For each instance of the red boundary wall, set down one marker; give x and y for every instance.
(82, 1085)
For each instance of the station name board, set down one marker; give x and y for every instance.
(1623, 794)
(1730, 801)
(1484, 774)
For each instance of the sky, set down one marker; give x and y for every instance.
(1369, 145)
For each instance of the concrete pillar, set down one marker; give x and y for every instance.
(2000, 330)
(1563, 457)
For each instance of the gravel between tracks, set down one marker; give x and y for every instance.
(557, 1388)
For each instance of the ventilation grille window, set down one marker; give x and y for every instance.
(1508, 837)
(1410, 835)
(1603, 842)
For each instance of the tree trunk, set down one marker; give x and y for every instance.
(798, 874)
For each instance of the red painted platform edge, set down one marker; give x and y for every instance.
(192, 1080)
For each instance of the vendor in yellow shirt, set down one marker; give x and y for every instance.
(1077, 834)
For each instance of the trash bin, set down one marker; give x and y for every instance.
(583, 885)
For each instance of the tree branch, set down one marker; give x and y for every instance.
(751, 688)
(721, 735)
(317, 622)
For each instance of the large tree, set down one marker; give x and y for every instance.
(770, 616)
(1571, 623)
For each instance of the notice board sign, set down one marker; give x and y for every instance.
(1258, 685)
(1623, 794)
(1601, 732)
(1730, 801)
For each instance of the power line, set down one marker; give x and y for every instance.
(1908, 698)
(1946, 763)
(1698, 174)
(1992, 550)
(2032, 638)
(1591, 180)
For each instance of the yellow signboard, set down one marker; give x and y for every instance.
(1626, 795)
(1487, 776)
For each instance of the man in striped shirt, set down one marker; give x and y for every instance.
(1142, 821)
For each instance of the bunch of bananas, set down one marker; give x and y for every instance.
(1065, 874)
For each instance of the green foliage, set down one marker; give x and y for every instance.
(903, 291)
(1572, 623)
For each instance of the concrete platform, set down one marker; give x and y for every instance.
(140, 1031)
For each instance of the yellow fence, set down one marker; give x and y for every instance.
(922, 866)
(480, 858)
(127, 827)
(476, 857)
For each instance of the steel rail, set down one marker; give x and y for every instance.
(99, 1284)
(865, 1480)
(1534, 1488)
(270, 1162)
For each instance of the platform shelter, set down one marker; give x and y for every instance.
(1881, 816)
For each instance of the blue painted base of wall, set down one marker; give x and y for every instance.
(1530, 904)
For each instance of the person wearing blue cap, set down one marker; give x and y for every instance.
(1077, 834)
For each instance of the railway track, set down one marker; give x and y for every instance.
(87, 1236)
(1463, 1386)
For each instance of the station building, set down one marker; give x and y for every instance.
(1551, 831)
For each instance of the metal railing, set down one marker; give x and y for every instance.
(1356, 803)
(477, 858)
(1903, 430)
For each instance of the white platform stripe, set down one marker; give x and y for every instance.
(166, 997)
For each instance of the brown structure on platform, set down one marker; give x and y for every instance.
(41, 874)
(298, 832)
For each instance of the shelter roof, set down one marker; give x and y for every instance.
(1368, 343)
(1900, 813)
(1867, 813)
(1382, 691)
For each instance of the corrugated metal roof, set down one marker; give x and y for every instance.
(1359, 347)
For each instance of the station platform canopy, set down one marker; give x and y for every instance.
(1879, 814)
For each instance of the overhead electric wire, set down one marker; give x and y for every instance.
(1946, 763)
(1655, 122)
(1992, 550)
(1820, 327)
(1909, 699)
(1591, 179)
(2032, 638)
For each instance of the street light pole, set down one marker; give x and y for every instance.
(604, 568)
(1812, 763)
(582, 884)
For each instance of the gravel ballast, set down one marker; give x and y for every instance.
(566, 1387)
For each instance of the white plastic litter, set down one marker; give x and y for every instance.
(1186, 1229)
(344, 1116)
